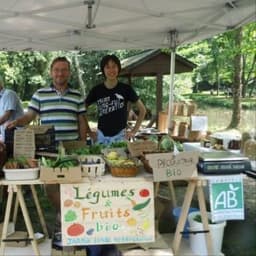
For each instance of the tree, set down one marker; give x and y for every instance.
(237, 82)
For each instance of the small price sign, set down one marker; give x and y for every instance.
(226, 197)
(170, 166)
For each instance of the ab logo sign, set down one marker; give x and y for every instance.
(226, 198)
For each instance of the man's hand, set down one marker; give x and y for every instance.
(2, 146)
(130, 134)
(93, 136)
(11, 124)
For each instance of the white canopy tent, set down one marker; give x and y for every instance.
(117, 24)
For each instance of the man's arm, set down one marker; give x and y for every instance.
(142, 112)
(5, 117)
(82, 127)
(23, 120)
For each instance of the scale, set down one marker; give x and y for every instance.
(223, 162)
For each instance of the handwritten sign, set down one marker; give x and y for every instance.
(107, 213)
(170, 166)
(226, 198)
(137, 148)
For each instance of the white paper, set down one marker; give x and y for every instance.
(199, 123)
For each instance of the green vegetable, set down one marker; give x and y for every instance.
(118, 144)
(140, 206)
(198, 218)
(94, 149)
(153, 138)
(167, 144)
(64, 162)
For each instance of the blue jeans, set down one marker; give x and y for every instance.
(102, 250)
(101, 139)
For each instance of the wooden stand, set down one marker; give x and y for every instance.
(193, 185)
(17, 188)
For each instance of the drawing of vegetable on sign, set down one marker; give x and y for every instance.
(75, 229)
(140, 206)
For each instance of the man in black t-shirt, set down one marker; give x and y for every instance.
(112, 98)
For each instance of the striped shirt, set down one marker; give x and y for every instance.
(59, 110)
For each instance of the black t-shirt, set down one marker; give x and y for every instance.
(112, 106)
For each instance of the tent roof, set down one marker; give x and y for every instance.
(153, 62)
(115, 24)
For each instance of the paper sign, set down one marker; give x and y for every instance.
(107, 213)
(226, 198)
(199, 123)
(170, 166)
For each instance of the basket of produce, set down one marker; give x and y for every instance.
(92, 165)
(21, 168)
(120, 147)
(120, 166)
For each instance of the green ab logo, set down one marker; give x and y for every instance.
(227, 195)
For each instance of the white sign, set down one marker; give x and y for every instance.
(170, 166)
(199, 123)
(107, 212)
(227, 198)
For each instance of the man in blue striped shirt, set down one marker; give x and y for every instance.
(58, 105)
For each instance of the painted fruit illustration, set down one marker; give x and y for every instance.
(75, 229)
(68, 202)
(144, 193)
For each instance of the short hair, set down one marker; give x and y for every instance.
(60, 59)
(105, 61)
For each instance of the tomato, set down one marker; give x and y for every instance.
(144, 193)
(75, 229)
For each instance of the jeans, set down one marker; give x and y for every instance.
(102, 250)
(106, 140)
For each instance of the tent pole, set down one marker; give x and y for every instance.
(173, 44)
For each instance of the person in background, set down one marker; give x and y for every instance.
(10, 107)
(60, 106)
(112, 98)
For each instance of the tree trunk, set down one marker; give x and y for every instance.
(79, 74)
(237, 80)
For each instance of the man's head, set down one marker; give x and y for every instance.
(107, 61)
(60, 71)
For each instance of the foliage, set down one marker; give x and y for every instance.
(205, 100)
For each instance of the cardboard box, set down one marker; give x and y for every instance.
(61, 175)
(170, 166)
(138, 148)
(17, 239)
